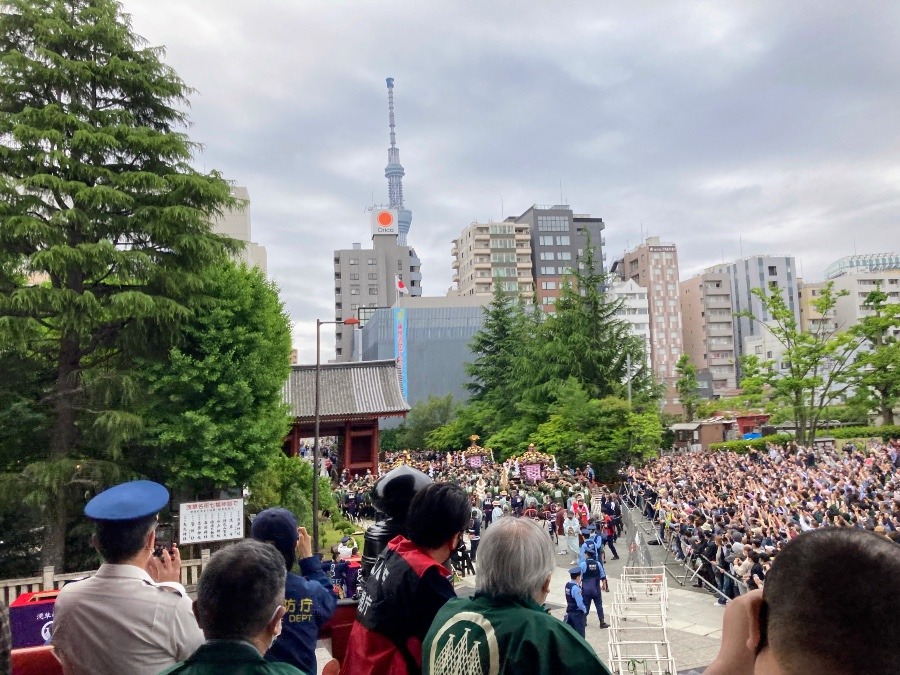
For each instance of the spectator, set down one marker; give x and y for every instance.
(308, 599)
(408, 585)
(800, 624)
(504, 621)
(133, 615)
(5, 639)
(240, 606)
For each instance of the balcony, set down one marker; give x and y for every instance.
(455, 264)
(454, 251)
(481, 250)
(486, 265)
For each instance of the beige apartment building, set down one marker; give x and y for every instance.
(485, 253)
(811, 320)
(708, 332)
(654, 266)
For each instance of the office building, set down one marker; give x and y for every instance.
(558, 240)
(635, 310)
(867, 262)
(771, 273)
(368, 278)
(489, 253)
(235, 223)
(708, 332)
(654, 266)
(438, 332)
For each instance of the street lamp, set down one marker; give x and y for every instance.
(315, 495)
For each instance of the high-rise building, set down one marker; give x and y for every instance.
(558, 240)
(368, 278)
(811, 319)
(654, 265)
(489, 253)
(235, 223)
(634, 310)
(771, 273)
(850, 308)
(863, 263)
(708, 333)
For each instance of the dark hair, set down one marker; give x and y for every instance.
(830, 603)
(119, 540)
(437, 512)
(240, 589)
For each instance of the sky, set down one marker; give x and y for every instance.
(729, 128)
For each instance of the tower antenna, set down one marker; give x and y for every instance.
(394, 172)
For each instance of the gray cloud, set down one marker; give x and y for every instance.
(724, 127)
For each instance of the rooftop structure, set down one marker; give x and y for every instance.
(866, 262)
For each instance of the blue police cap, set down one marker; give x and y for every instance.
(575, 570)
(128, 501)
(586, 532)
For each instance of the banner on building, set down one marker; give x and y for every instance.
(400, 348)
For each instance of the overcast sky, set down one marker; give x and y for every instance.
(728, 128)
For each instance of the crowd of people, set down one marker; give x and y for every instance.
(733, 513)
(768, 530)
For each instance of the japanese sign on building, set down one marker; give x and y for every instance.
(216, 520)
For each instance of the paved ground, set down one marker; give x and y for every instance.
(693, 626)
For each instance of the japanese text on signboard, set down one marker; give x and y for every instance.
(216, 520)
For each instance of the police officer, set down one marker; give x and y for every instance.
(133, 616)
(593, 576)
(576, 612)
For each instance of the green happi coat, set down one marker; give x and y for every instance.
(494, 636)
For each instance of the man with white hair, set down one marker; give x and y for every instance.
(504, 623)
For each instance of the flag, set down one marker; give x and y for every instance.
(401, 287)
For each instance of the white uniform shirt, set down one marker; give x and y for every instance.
(120, 621)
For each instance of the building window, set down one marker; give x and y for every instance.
(545, 240)
(548, 301)
(548, 270)
(564, 255)
(373, 290)
(373, 276)
(372, 261)
(503, 243)
(354, 261)
(354, 291)
(553, 224)
(548, 285)
(563, 240)
(548, 255)
(354, 276)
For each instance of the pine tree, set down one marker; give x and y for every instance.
(876, 371)
(100, 206)
(686, 386)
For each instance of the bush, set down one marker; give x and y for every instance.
(741, 446)
(884, 433)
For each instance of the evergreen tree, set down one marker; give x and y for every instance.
(97, 200)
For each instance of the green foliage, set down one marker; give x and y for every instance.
(877, 365)
(743, 446)
(686, 386)
(424, 418)
(885, 433)
(818, 362)
(287, 482)
(214, 413)
(390, 440)
(99, 200)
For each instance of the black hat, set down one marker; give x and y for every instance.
(278, 527)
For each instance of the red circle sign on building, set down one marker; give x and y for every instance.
(385, 218)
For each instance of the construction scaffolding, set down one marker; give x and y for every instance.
(638, 642)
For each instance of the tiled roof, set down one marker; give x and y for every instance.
(347, 390)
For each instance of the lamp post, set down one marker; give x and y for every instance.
(315, 495)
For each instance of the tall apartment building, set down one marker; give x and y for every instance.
(852, 307)
(367, 277)
(558, 239)
(635, 310)
(811, 319)
(863, 263)
(235, 223)
(654, 266)
(485, 253)
(708, 333)
(768, 272)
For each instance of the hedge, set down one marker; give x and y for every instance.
(741, 446)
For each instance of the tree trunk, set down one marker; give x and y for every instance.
(63, 440)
